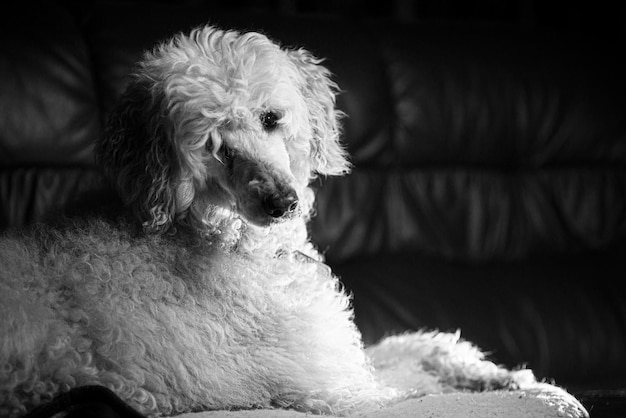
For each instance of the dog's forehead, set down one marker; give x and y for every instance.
(258, 83)
(248, 57)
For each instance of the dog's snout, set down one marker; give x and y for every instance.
(278, 206)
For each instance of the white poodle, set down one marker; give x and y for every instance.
(202, 291)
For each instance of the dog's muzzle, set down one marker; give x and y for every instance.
(263, 195)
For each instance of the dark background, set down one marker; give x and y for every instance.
(577, 18)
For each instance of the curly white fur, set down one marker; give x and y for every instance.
(208, 293)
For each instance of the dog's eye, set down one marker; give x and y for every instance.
(269, 120)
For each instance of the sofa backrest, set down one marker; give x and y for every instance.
(468, 143)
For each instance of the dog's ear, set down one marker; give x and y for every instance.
(138, 158)
(327, 155)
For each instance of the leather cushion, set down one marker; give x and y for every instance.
(49, 111)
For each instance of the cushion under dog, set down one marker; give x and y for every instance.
(541, 401)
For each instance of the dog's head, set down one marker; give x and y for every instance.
(218, 120)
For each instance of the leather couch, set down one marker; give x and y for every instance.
(489, 188)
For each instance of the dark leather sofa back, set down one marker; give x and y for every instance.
(484, 145)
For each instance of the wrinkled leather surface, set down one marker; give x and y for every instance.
(470, 213)
(47, 95)
(495, 146)
(489, 189)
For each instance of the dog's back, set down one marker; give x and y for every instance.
(171, 322)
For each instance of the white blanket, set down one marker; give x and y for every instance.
(543, 400)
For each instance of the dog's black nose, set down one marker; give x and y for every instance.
(278, 205)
